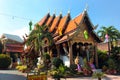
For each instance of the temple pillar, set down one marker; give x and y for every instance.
(96, 55)
(70, 52)
(58, 50)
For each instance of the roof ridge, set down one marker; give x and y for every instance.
(13, 37)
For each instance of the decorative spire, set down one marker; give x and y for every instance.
(60, 12)
(54, 11)
(49, 11)
(95, 27)
(86, 7)
(68, 11)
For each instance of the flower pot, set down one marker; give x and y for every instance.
(57, 78)
(99, 78)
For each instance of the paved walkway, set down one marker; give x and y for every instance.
(12, 75)
(108, 77)
(16, 75)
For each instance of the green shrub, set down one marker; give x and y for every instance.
(62, 69)
(102, 58)
(111, 64)
(86, 65)
(104, 68)
(115, 51)
(46, 56)
(18, 67)
(46, 59)
(57, 62)
(98, 75)
(5, 61)
(73, 68)
(21, 68)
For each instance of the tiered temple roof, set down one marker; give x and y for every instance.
(62, 27)
(12, 43)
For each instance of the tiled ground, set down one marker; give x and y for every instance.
(16, 75)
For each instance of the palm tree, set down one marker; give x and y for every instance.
(111, 31)
(119, 35)
(36, 37)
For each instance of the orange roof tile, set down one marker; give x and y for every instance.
(55, 23)
(64, 38)
(41, 22)
(61, 24)
(14, 49)
(15, 45)
(71, 26)
(49, 20)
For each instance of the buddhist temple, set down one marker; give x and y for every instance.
(72, 37)
(13, 45)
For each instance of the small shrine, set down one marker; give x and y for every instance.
(13, 46)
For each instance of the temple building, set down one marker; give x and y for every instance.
(72, 37)
(12, 45)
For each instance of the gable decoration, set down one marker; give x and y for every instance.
(86, 34)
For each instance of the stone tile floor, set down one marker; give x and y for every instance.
(16, 75)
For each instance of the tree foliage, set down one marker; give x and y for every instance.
(111, 31)
(5, 61)
(36, 37)
(1, 47)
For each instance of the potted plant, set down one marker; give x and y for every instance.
(86, 68)
(58, 70)
(98, 75)
(54, 73)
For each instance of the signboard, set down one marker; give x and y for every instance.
(37, 77)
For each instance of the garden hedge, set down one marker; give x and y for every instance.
(5, 61)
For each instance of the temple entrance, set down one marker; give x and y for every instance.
(83, 50)
(64, 53)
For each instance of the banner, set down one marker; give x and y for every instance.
(86, 34)
(60, 31)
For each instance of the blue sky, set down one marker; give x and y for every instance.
(16, 14)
